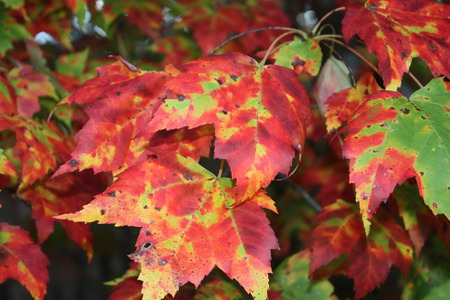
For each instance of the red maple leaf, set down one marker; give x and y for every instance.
(398, 31)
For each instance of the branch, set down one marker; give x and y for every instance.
(314, 204)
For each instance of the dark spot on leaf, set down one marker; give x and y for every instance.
(435, 205)
(369, 220)
(188, 176)
(403, 55)
(423, 118)
(145, 206)
(368, 126)
(237, 106)
(174, 174)
(220, 82)
(162, 262)
(421, 173)
(297, 62)
(224, 112)
(432, 47)
(148, 233)
(404, 110)
(199, 199)
(118, 93)
(180, 97)
(103, 211)
(372, 6)
(384, 124)
(448, 188)
(391, 107)
(148, 244)
(157, 208)
(246, 257)
(73, 163)
(234, 77)
(112, 194)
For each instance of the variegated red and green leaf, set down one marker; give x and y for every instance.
(64, 194)
(120, 103)
(187, 226)
(21, 259)
(29, 85)
(6, 166)
(12, 31)
(397, 31)
(38, 147)
(302, 55)
(392, 138)
(340, 231)
(259, 114)
(342, 105)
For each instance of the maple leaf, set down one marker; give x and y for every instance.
(29, 85)
(120, 102)
(6, 166)
(398, 31)
(292, 278)
(63, 194)
(187, 228)
(340, 231)
(12, 31)
(38, 147)
(342, 105)
(392, 138)
(259, 114)
(301, 55)
(23, 260)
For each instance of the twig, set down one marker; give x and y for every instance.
(315, 205)
(325, 17)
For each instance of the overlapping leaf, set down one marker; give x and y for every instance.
(21, 259)
(392, 138)
(398, 31)
(218, 289)
(38, 147)
(340, 231)
(11, 31)
(120, 102)
(301, 55)
(187, 228)
(291, 277)
(342, 105)
(29, 86)
(8, 101)
(259, 114)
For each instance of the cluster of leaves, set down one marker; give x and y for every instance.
(137, 148)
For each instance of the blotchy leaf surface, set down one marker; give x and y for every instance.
(259, 114)
(392, 138)
(398, 31)
(300, 55)
(21, 259)
(187, 228)
(120, 102)
(340, 231)
(36, 146)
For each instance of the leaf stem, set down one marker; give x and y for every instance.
(222, 165)
(325, 37)
(415, 79)
(314, 30)
(252, 31)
